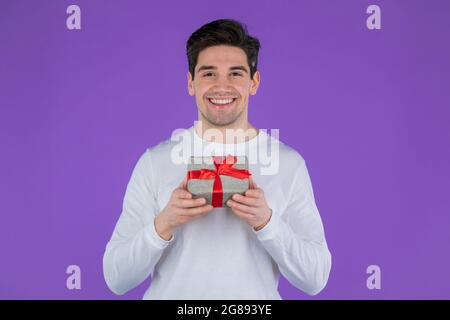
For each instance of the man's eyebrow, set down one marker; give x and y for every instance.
(239, 68)
(204, 67)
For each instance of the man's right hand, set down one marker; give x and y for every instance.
(180, 209)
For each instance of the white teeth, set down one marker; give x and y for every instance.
(221, 101)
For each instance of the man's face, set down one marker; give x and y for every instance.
(222, 85)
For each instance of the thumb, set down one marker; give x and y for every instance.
(252, 183)
(183, 183)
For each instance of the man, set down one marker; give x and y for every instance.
(192, 250)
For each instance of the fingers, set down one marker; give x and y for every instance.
(242, 214)
(183, 184)
(197, 210)
(189, 203)
(250, 201)
(241, 207)
(252, 183)
(254, 193)
(182, 194)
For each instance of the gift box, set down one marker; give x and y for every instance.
(217, 178)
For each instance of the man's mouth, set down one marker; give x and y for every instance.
(221, 102)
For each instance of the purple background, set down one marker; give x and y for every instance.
(367, 109)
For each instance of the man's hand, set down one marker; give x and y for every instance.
(180, 209)
(252, 207)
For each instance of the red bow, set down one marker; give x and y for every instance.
(222, 168)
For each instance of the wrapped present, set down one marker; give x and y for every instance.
(217, 178)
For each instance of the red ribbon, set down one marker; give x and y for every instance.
(222, 168)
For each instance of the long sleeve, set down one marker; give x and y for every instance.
(135, 247)
(295, 237)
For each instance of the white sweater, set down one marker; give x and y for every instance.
(218, 256)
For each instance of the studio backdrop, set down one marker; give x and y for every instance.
(359, 88)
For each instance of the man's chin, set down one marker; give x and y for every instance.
(220, 122)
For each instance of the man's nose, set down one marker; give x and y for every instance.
(223, 81)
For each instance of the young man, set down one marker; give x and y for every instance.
(192, 250)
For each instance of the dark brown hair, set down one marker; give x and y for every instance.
(223, 32)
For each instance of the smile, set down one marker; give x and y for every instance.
(221, 103)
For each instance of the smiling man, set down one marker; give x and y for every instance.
(193, 250)
(222, 86)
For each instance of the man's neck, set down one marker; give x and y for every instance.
(234, 133)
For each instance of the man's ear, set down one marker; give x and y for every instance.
(255, 83)
(191, 89)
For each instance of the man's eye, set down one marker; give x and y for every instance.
(236, 74)
(208, 74)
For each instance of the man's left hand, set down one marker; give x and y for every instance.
(252, 207)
